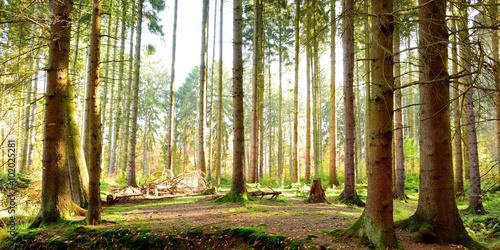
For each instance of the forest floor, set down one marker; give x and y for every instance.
(197, 222)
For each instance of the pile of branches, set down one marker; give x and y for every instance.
(180, 185)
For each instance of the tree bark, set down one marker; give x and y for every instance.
(111, 150)
(333, 180)
(437, 215)
(398, 113)
(308, 93)
(131, 180)
(56, 200)
(172, 95)
(496, 66)
(203, 77)
(457, 138)
(295, 160)
(94, 211)
(475, 203)
(218, 157)
(376, 222)
(349, 194)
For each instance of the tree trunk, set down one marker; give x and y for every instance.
(333, 180)
(437, 215)
(376, 222)
(56, 200)
(280, 111)
(129, 91)
(457, 138)
(398, 113)
(203, 77)
(238, 189)
(218, 157)
(308, 98)
(367, 79)
(496, 65)
(111, 150)
(317, 193)
(131, 180)
(295, 161)
(349, 194)
(94, 211)
(172, 94)
(475, 203)
(254, 151)
(145, 152)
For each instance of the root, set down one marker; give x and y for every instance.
(355, 200)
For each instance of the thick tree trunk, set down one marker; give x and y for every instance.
(203, 78)
(398, 115)
(131, 180)
(333, 180)
(172, 94)
(56, 199)
(94, 211)
(295, 161)
(349, 194)
(376, 222)
(437, 214)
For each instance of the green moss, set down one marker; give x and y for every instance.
(234, 197)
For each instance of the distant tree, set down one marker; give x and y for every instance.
(218, 157)
(172, 96)
(203, 78)
(295, 160)
(349, 194)
(333, 180)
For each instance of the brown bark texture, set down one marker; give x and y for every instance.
(56, 200)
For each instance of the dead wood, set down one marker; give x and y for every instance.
(317, 193)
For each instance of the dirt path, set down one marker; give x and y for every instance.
(288, 216)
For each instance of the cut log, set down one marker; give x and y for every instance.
(317, 193)
(274, 194)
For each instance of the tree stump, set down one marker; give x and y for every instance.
(317, 193)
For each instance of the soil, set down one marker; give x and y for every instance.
(288, 216)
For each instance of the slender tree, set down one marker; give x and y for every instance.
(349, 194)
(172, 96)
(295, 160)
(437, 213)
(399, 185)
(131, 180)
(308, 93)
(203, 78)
(496, 69)
(475, 203)
(56, 200)
(333, 119)
(218, 159)
(238, 188)
(94, 212)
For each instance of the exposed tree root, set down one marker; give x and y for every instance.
(426, 233)
(477, 209)
(355, 200)
(78, 210)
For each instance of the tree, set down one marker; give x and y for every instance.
(496, 66)
(475, 203)
(203, 78)
(437, 213)
(94, 212)
(56, 200)
(257, 74)
(295, 160)
(308, 98)
(131, 180)
(376, 222)
(333, 126)
(399, 185)
(238, 189)
(349, 194)
(172, 96)
(218, 156)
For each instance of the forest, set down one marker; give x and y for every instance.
(291, 124)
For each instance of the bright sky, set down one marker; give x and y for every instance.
(189, 36)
